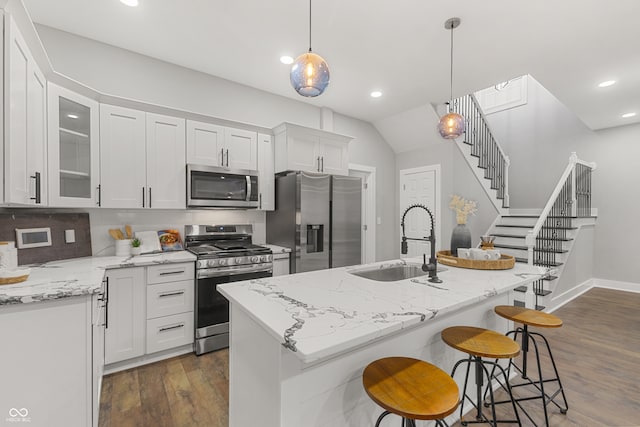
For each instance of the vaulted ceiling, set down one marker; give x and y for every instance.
(398, 47)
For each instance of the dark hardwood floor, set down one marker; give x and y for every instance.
(597, 352)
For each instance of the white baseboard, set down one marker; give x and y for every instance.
(617, 285)
(570, 295)
(147, 359)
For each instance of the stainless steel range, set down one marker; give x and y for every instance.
(225, 254)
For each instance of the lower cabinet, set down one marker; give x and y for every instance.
(150, 310)
(124, 335)
(280, 264)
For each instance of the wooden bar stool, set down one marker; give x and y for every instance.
(412, 389)
(528, 317)
(479, 343)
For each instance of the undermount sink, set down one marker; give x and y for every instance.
(392, 273)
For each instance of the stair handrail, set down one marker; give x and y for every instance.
(530, 239)
(477, 110)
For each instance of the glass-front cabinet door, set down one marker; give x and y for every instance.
(73, 149)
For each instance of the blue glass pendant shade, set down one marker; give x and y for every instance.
(309, 74)
(451, 126)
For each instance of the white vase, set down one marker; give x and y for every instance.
(136, 251)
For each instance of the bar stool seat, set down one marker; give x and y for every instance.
(528, 317)
(479, 343)
(410, 388)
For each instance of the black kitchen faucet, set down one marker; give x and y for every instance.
(432, 267)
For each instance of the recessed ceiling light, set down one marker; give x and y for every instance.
(627, 115)
(72, 116)
(376, 94)
(287, 60)
(607, 83)
(132, 3)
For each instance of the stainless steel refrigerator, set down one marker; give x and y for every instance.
(319, 217)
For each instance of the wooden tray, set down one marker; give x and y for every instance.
(12, 280)
(504, 263)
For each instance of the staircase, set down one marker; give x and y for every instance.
(544, 240)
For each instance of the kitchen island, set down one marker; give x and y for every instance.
(299, 343)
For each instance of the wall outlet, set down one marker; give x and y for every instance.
(70, 236)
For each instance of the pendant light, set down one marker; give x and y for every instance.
(451, 124)
(309, 72)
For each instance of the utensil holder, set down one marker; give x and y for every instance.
(123, 247)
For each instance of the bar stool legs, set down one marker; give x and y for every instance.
(481, 370)
(528, 338)
(407, 422)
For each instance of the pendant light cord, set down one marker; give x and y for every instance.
(450, 68)
(309, 25)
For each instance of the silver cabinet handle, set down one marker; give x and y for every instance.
(169, 328)
(227, 157)
(143, 196)
(149, 196)
(318, 160)
(99, 188)
(167, 273)
(171, 294)
(322, 163)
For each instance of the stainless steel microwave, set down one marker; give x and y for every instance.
(217, 187)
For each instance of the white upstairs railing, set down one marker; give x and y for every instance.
(570, 199)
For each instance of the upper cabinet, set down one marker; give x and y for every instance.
(311, 150)
(142, 159)
(266, 180)
(74, 149)
(25, 123)
(213, 145)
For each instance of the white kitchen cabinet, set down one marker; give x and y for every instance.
(281, 264)
(25, 123)
(166, 167)
(47, 363)
(311, 150)
(99, 307)
(142, 159)
(266, 179)
(74, 149)
(205, 143)
(241, 149)
(126, 317)
(122, 157)
(213, 145)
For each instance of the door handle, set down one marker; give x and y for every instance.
(149, 196)
(36, 177)
(171, 294)
(171, 327)
(168, 273)
(318, 167)
(99, 189)
(248, 178)
(322, 163)
(227, 157)
(143, 197)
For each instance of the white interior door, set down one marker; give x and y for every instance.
(420, 186)
(368, 209)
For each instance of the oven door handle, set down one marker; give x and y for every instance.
(232, 271)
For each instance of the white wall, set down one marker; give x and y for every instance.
(116, 71)
(457, 178)
(538, 137)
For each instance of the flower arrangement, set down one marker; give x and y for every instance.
(463, 208)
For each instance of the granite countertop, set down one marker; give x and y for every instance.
(80, 276)
(322, 313)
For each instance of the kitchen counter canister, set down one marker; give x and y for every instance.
(80, 276)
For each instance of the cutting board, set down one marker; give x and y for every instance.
(149, 240)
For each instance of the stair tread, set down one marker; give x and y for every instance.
(515, 236)
(549, 277)
(521, 289)
(542, 292)
(540, 307)
(530, 227)
(558, 251)
(551, 264)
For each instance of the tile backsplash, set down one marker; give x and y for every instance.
(10, 219)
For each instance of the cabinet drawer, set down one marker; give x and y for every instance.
(170, 331)
(170, 273)
(165, 299)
